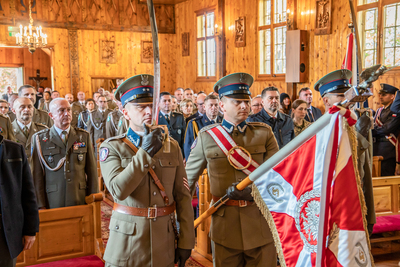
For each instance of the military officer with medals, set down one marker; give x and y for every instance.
(240, 234)
(147, 183)
(386, 131)
(332, 88)
(97, 121)
(39, 116)
(175, 121)
(23, 126)
(64, 167)
(113, 120)
(211, 108)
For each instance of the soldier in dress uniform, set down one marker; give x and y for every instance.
(122, 125)
(23, 126)
(84, 115)
(11, 100)
(240, 234)
(97, 120)
(39, 116)
(64, 167)
(142, 223)
(211, 108)
(113, 120)
(76, 109)
(175, 121)
(332, 88)
(386, 130)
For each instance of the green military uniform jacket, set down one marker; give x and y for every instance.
(111, 104)
(26, 141)
(6, 128)
(96, 124)
(75, 179)
(11, 116)
(42, 117)
(112, 123)
(76, 109)
(241, 228)
(122, 125)
(139, 241)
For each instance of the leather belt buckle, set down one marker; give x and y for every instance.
(152, 212)
(242, 203)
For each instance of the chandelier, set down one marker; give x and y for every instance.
(27, 37)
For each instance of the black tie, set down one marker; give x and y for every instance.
(310, 116)
(167, 117)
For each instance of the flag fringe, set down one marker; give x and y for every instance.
(270, 220)
(354, 145)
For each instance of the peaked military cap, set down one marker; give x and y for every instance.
(336, 82)
(235, 85)
(388, 89)
(137, 89)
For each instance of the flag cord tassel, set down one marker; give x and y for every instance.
(268, 217)
(354, 144)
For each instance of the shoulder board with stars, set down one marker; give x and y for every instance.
(115, 138)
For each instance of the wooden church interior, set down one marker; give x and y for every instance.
(94, 44)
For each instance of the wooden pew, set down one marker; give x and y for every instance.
(203, 246)
(66, 233)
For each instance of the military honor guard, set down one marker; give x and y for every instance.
(281, 124)
(175, 121)
(64, 167)
(96, 125)
(211, 108)
(112, 123)
(84, 115)
(39, 116)
(23, 126)
(386, 131)
(332, 88)
(148, 184)
(239, 232)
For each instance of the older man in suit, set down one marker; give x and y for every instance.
(23, 126)
(19, 218)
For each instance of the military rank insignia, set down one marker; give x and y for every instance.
(50, 159)
(103, 154)
(80, 157)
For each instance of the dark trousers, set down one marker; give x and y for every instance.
(388, 167)
(5, 257)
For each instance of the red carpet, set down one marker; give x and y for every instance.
(88, 261)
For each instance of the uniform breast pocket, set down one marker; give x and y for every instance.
(80, 155)
(217, 162)
(257, 153)
(50, 156)
(168, 166)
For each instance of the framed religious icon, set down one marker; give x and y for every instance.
(147, 52)
(107, 52)
(185, 44)
(240, 32)
(323, 17)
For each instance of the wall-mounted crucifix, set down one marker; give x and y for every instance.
(38, 79)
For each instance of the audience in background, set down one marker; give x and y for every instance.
(186, 106)
(256, 104)
(299, 111)
(55, 95)
(8, 93)
(188, 94)
(286, 103)
(174, 103)
(313, 113)
(45, 104)
(4, 107)
(179, 94)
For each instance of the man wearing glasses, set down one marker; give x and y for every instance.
(256, 104)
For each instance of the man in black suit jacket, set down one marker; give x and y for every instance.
(313, 113)
(175, 121)
(19, 219)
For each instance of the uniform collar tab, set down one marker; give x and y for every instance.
(229, 127)
(133, 137)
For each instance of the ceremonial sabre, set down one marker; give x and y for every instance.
(355, 94)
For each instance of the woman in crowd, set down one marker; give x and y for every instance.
(285, 103)
(186, 106)
(299, 111)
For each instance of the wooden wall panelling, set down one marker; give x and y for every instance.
(74, 60)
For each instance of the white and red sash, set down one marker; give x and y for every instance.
(225, 142)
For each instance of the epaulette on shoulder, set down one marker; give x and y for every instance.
(176, 113)
(43, 131)
(208, 127)
(115, 138)
(41, 125)
(41, 111)
(80, 129)
(258, 124)
(3, 116)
